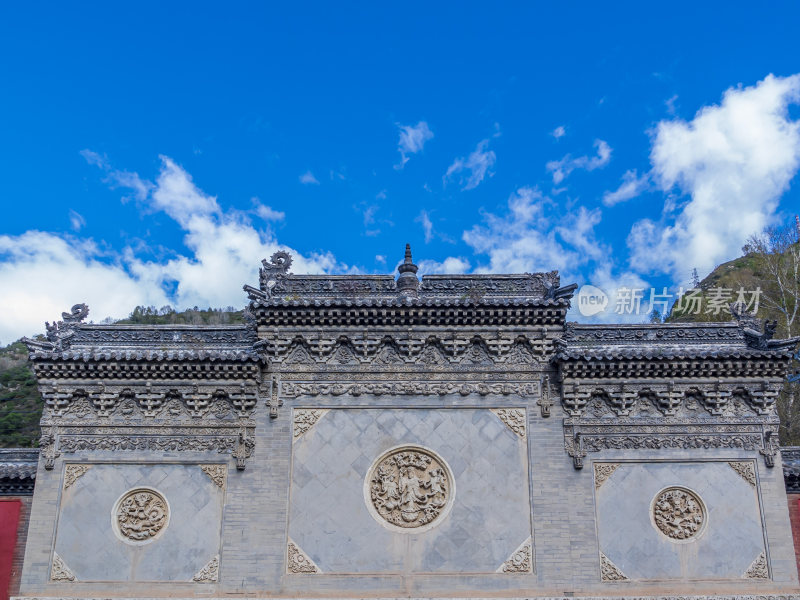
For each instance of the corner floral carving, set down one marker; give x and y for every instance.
(520, 561)
(305, 419)
(514, 418)
(298, 562)
(609, 571)
(209, 573)
(216, 473)
(61, 572)
(72, 473)
(758, 570)
(602, 471)
(745, 469)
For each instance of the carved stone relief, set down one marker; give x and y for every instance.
(409, 488)
(141, 515)
(609, 571)
(759, 569)
(514, 418)
(602, 471)
(72, 473)
(679, 514)
(298, 562)
(209, 573)
(216, 473)
(60, 571)
(305, 418)
(520, 561)
(746, 469)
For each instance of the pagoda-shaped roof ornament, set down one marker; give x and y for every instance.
(407, 282)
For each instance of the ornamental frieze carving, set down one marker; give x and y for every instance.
(140, 516)
(520, 561)
(718, 399)
(379, 350)
(409, 489)
(151, 401)
(291, 389)
(583, 435)
(238, 442)
(679, 514)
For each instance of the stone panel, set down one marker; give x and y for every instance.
(185, 542)
(718, 537)
(490, 515)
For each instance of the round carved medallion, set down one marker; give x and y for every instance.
(679, 513)
(410, 488)
(140, 515)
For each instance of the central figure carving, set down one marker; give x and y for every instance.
(679, 513)
(410, 487)
(141, 514)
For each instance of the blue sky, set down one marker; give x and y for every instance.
(154, 153)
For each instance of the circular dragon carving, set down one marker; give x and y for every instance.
(679, 513)
(140, 515)
(409, 489)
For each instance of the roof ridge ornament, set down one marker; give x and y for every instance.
(277, 268)
(407, 282)
(59, 332)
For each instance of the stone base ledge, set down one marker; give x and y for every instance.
(244, 596)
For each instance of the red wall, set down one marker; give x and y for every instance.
(10, 509)
(794, 519)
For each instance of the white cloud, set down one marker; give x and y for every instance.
(470, 171)
(559, 132)
(76, 220)
(427, 225)
(308, 178)
(733, 161)
(412, 140)
(452, 265)
(532, 236)
(562, 168)
(632, 185)
(268, 213)
(42, 274)
(119, 179)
